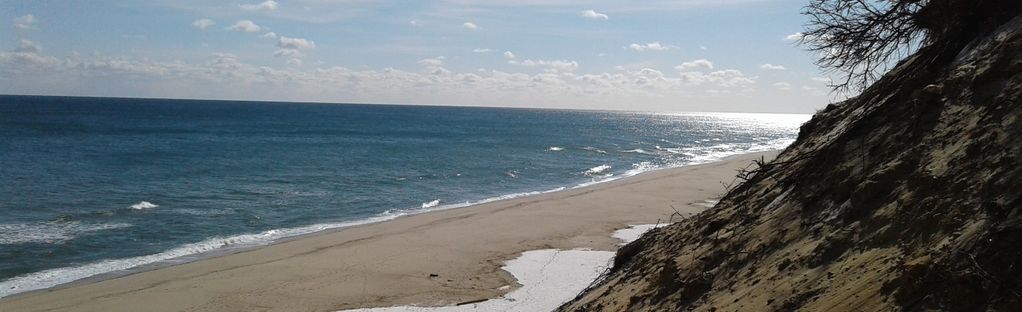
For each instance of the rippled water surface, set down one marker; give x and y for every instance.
(94, 185)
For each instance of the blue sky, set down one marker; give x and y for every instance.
(683, 55)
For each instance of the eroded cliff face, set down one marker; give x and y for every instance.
(906, 197)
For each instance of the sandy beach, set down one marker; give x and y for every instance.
(431, 259)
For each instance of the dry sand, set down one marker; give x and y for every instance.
(389, 263)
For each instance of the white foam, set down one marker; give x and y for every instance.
(483, 201)
(694, 156)
(597, 180)
(641, 167)
(53, 232)
(555, 149)
(54, 277)
(593, 149)
(549, 277)
(20, 233)
(698, 155)
(431, 204)
(598, 170)
(716, 152)
(638, 151)
(143, 205)
(203, 212)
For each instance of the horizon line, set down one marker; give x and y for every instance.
(398, 104)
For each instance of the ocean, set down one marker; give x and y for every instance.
(93, 186)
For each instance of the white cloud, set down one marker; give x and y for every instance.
(22, 61)
(799, 36)
(28, 46)
(700, 63)
(432, 62)
(470, 25)
(554, 65)
(291, 53)
(721, 78)
(26, 21)
(226, 76)
(245, 26)
(822, 79)
(414, 23)
(203, 23)
(292, 48)
(480, 50)
(783, 85)
(652, 46)
(270, 35)
(268, 5)
(295, 43)
(509, 55)
(590, 14)
(769, 66)
(435, 67)
(649, 72)
(794, 37)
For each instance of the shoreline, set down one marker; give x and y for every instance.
(483, 275)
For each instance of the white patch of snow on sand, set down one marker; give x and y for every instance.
(549, 277)
(709, 203)
(635, 231)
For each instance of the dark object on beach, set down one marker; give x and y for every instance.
(471, 301)
(432, 275)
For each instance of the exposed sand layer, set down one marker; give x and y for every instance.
(433, 259)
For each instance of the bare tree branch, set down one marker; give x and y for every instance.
(861, 39)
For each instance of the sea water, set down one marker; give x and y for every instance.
(99, 185)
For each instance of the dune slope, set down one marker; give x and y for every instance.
(906, 197)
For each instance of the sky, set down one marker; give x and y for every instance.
(654, 55)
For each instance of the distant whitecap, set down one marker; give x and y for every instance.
(143, 205)
(638, 151)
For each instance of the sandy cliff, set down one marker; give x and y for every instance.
(907, 197)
